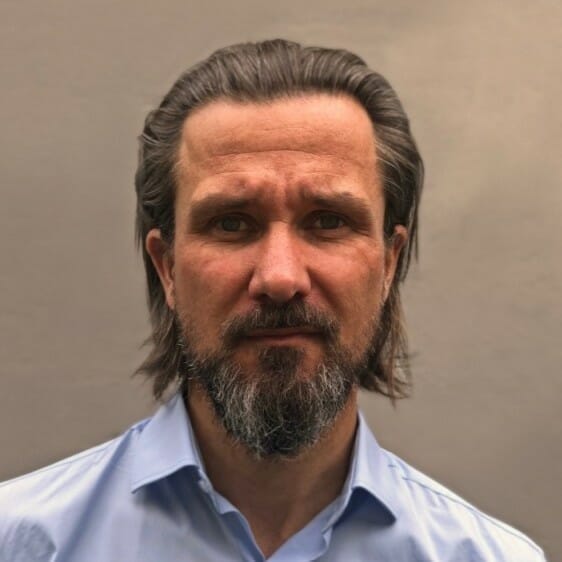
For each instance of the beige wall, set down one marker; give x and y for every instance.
(481, 82)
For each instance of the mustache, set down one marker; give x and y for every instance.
(272, 316)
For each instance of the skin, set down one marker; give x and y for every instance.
(277, 201)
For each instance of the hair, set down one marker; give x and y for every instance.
(263, 72)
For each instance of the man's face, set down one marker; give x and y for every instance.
(279, 207)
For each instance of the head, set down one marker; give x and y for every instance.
(291, 85)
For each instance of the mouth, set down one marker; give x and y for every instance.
(284, 335)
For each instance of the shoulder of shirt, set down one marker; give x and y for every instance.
(440, 505)
(27, 492)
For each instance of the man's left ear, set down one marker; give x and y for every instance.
(392, 253)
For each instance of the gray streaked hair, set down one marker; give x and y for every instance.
(260, 72)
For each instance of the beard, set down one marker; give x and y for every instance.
(276, 412)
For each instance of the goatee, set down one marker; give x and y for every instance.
(274, 412)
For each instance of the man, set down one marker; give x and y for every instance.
(278, 189)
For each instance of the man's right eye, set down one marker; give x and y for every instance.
(231, 224)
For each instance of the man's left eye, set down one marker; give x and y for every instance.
(328, 221)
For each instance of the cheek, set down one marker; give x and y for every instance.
(355, 275)
(352, 284)
(207, 282)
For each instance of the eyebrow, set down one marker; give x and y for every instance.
(216, 203)
(219, 203)
(340, 200)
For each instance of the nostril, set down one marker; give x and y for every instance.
(279, 297)
(279, 285)
(280, 273)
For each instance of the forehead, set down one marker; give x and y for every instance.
(318, 138)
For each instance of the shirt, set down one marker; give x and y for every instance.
(144, 496)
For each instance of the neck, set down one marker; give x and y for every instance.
(277, 497)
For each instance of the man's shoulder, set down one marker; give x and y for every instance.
(58, 485)
(443, 514)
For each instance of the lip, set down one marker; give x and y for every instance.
(283, 335)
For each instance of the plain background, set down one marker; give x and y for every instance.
(481, 83)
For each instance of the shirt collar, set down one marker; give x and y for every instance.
(369, 478)
(165, 445)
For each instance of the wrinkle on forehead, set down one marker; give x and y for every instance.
(284, 163)
(252, 174)
(263, 188)
(281, 144)
(321, 125)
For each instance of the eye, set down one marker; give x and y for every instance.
(231, 223)
(232, 228)
(328, 221)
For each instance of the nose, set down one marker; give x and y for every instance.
(280, 273)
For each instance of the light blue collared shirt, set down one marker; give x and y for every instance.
(145, 497)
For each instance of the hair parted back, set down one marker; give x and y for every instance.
(261, 72)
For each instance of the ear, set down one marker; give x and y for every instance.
(162, 258)
(392, 253)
